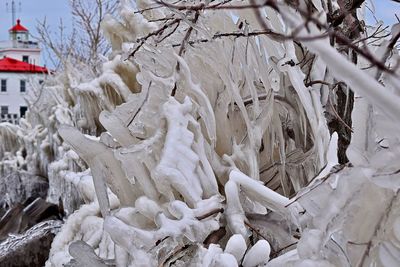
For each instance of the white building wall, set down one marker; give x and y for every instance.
(18, 49)
(34, 54)
(13, 98)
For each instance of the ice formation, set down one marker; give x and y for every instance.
(214, 151)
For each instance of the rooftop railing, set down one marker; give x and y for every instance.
(19, 44)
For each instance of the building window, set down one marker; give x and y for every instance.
(25, 59)
(3, 85)
(4, 110)
(22, 86)
(22, 111)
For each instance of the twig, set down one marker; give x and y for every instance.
(311, 83)
(154, 33)
(339, 118)
(173, 254)
(188, 33)
(141, 105)
(215, 237)
(255, 230)
(312, 189)
(377, 228)
(208, 214)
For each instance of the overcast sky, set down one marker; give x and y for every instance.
(54, 10)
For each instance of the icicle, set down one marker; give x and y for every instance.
(105, 168)
(234, 211)
(236, 246)
(258, 254)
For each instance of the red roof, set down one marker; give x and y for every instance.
(13, 65)
(18, 27)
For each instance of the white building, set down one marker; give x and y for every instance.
(19, 62)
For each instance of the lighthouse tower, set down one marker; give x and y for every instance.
(19, 66)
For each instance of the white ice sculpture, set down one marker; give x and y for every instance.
(202, 144)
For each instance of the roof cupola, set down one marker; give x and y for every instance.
(19, 32)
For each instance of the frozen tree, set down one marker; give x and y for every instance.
(218, 134)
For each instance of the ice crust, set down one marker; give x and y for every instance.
(216, 156)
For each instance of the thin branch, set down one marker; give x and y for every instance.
(211, 213)
(143, 40)
(255, 230)
(188, 33)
